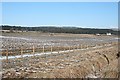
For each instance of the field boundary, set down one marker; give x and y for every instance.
(50, 50)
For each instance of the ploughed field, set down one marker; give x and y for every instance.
(14, 41)
(86, 61)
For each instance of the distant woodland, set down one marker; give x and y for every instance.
(55, 29)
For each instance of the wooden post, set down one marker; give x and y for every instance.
(111, 43)
(43, 48)
(51, 49)
(21, 52)
(96, 45)
(87, 46)
(69, 48)
(105, 44)
(58, 49)
(74, 48)
(78, 46)
(81, 46)
(33, 50)
(84, 46)
(64, 49)
(102, 44)
(7, 55)
(99, 44)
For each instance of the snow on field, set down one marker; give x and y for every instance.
(12, 43)
(14, 37)
(29, 55)
(39, 54)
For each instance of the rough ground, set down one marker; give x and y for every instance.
(94, 63)
(13, 41)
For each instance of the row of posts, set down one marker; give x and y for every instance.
(51, 49)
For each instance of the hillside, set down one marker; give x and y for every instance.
(55, 29)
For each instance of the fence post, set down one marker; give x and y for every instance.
(69, 48)
(99, 44)
(33, 50)
(64, 49)
(43, 48)
(96, 45)
(81, 46)
(7, 55)
(110, 43)
(105, 44)
(87, 46)
(102, 44)
(74, 47)
(51, 49)
(21, 52)
(78, 46)
(58, 49)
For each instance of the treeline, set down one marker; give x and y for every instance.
(54, 29)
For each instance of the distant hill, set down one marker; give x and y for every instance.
(116, 29)
(55, 29)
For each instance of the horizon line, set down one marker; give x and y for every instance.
(59, 26)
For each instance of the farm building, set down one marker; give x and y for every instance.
(108, 34)
(98, 34)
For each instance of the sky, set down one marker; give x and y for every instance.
(79, 14)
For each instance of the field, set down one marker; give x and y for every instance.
(58, 55)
